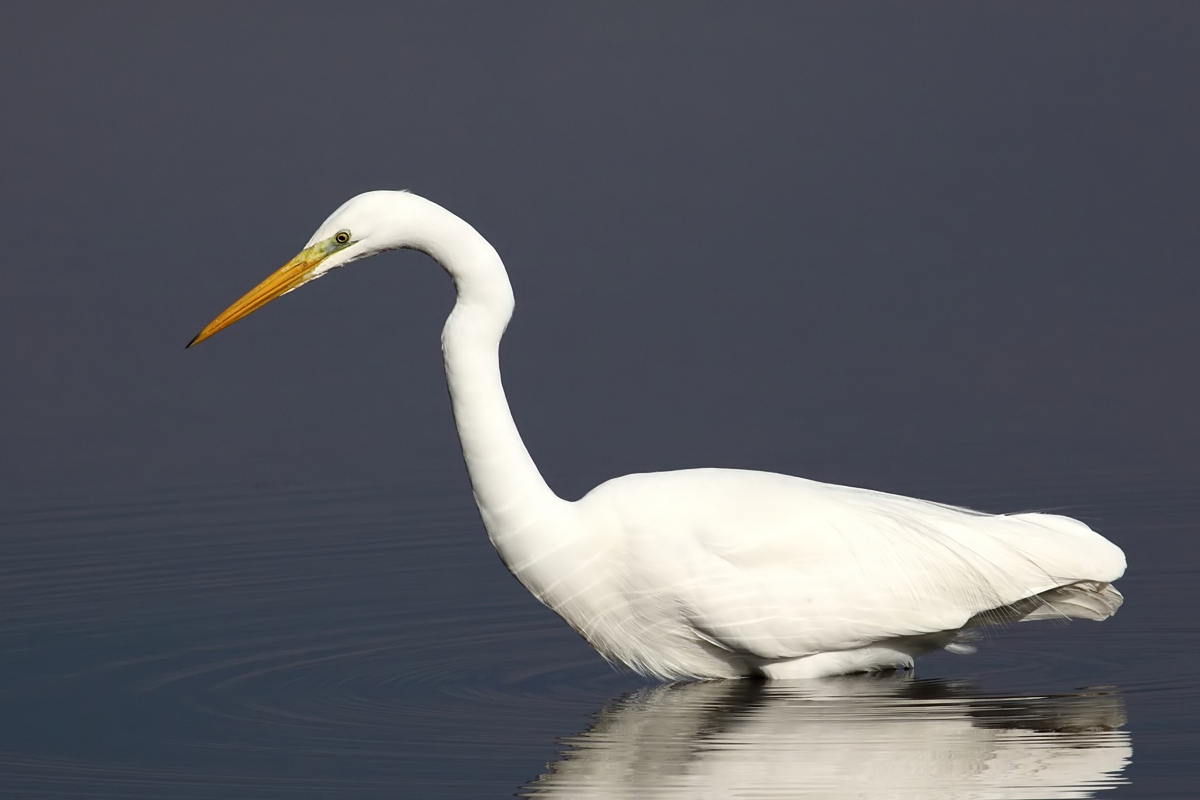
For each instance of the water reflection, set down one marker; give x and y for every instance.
(850, 737)
(366, 642)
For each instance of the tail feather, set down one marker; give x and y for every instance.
(1083, 600)
(1095, 600)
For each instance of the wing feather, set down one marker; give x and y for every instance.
(781, 567)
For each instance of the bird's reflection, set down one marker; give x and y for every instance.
(887, 736)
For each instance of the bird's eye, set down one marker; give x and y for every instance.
(341, 237)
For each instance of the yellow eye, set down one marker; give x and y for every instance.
(341, 237)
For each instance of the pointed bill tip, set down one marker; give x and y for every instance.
(209, 330)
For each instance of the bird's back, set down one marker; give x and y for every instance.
(766, 567)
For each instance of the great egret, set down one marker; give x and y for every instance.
(711, 573)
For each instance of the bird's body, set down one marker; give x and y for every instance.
(719, 573)
(713, 573)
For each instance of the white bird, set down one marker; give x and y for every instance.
(711, 573)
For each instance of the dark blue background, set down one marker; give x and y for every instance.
(957, 237)
(940, 248)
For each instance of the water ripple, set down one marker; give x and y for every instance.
(366, 640)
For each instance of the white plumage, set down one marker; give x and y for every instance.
(712, 573)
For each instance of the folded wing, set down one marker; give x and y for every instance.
(780, 567)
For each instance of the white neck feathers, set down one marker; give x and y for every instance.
(509, 490)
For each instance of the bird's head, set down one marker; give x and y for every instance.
(363, 226)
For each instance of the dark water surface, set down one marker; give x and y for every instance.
(365, 641)
(942, 249)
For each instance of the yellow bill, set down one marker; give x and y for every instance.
(290, 276)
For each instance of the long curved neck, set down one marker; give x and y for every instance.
(509, 490)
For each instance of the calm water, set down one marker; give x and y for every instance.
(365, 641)
(926, 248)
